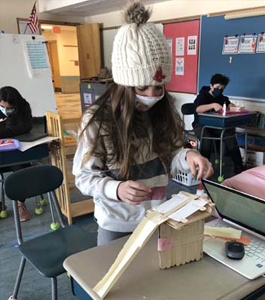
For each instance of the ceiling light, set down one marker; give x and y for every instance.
(46, 27)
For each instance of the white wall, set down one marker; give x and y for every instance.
(10, 10)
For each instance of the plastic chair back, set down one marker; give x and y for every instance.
(33, 181)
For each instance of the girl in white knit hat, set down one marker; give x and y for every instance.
(131, 138)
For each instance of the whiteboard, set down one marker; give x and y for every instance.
(24, 65)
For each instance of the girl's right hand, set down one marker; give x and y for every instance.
(133, 192)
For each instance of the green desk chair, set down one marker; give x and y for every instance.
(45, 253)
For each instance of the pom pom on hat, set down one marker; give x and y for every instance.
(141, 55)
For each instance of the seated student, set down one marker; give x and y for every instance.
(15, 119)
(211, 98)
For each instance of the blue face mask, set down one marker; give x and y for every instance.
(3, 110)
(6, 111)
(9, 111)
(217, 92)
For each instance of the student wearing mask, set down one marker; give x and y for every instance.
(15, 119)
(211, 98)
(131, 138)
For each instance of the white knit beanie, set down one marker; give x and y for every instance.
(141, 55)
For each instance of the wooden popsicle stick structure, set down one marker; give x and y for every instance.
(138, 239)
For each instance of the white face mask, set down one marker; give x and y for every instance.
(144, 103)
(3, 110)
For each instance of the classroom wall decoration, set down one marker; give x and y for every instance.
(183, 39)
(236, 48)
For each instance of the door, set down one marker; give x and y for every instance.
(54, 61)
(89, 50)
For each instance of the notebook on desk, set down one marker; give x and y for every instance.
(240, 211)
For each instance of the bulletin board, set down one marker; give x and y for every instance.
(246, 71)
(183, 39)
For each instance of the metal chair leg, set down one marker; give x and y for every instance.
(19, 277)
(2, 189)
(3, 212)
(54, 288)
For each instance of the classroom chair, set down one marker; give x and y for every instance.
(45, 253)
(186, 110)
(39, 125)
(189, 109)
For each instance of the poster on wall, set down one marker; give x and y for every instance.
(169, 41)
(180, 44)
(36, 55)
(230, 45)
(261, 43)
(192, 45)
(247, 44)
(179, 66)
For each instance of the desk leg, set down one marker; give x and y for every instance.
(3, 212)
(246, 149)
(221, 177)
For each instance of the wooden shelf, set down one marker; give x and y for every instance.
(61, 153)
(82, 207)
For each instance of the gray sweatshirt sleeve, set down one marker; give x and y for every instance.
(90, 174)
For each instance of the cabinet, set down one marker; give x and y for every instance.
(89, 50)
(62, 153)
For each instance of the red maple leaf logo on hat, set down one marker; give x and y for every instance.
(159, 76)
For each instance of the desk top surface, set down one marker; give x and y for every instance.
(228, 116)
(206, 279)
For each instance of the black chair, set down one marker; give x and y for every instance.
(45, 253)
(186, 110)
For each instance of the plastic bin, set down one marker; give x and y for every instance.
(186, 179)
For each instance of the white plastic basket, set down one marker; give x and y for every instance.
(186, 179)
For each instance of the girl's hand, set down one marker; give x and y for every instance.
(133, 192)
(217, 106)
(195, 160)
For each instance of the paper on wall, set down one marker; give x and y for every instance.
(179, 68)
(180, 44)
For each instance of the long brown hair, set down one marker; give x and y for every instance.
(119, 124)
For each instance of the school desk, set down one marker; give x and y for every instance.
(206, 279)
(223, 123)
(17, 157)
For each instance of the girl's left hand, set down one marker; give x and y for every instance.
(196, 161)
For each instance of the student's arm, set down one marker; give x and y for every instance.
(187, 160)
(92, 179)
(91, 174)
(11, 128)
(205, 107)
(202, 104)
(4, 130)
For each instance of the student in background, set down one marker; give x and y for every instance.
(211, 98)
(132, 136)
(15, 119)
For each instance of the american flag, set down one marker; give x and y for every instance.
(33, 20)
